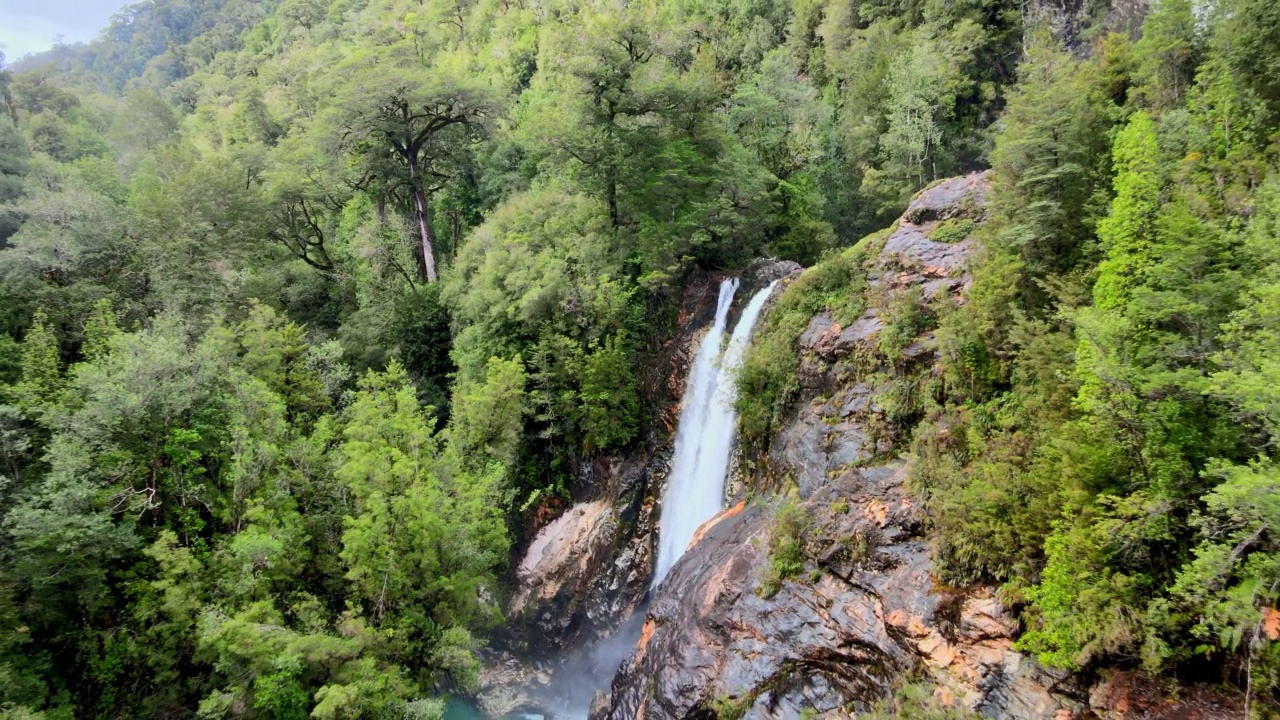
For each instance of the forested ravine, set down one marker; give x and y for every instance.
(345, 347)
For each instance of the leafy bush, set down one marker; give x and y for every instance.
(953, 230)
(730, 708)
(786, 547)
(916, 701)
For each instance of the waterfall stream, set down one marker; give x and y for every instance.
(704, 434)
(694, 493)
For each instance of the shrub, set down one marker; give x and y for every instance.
(953, 230)
(786, 547)
(915, 701)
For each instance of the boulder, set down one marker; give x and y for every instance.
(827, 339)
(560, 561)
(956, 197)
(508, 686)
(763, 271)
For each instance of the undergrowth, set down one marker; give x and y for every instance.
(915, 701)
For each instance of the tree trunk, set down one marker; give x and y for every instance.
(611, 196)
(424, 222)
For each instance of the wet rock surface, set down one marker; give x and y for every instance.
(584, 572)
(765, 270)
(1124, 695)
(825, 338)
(865, 613)
(508, 685)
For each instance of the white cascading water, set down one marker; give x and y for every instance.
(695, 490)
(704, 433)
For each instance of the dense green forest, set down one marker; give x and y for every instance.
(307, 306)
(1099, 438)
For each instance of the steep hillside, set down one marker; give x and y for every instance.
(822, 598)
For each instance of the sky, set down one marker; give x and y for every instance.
(28, 26)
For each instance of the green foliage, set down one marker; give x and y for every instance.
(953, 230)
(41, 371)
(904, 319)
(767, 384)
(1126, 232)
(425, 531)
(610, 403)
(1081, 605)
(542, 278)
(488, 418)
(1248, 40)
(786, 547)
(424, 344)
(730, 708)
(1106, 413)
(14, 164)
(204, 514)
(917, 701)
(992, 505)
(1167, 53)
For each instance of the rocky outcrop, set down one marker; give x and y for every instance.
(865, 613)
(1125, 695)
(587, 570)
(561, 562)
(763, 271)
(865, 610)
(837, 363)
(509, 686)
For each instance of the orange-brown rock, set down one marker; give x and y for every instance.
(1124, 695)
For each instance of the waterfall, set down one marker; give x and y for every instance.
(695, 490)
(705, 431)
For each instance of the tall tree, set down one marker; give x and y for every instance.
(14, 163)
(423, 116)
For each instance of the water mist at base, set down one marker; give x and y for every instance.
(694, 493)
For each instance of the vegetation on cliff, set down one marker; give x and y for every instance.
(1098, 435)
(308, 304)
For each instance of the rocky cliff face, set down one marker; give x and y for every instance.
(727, 635)
(583, 572)
(864, 611)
